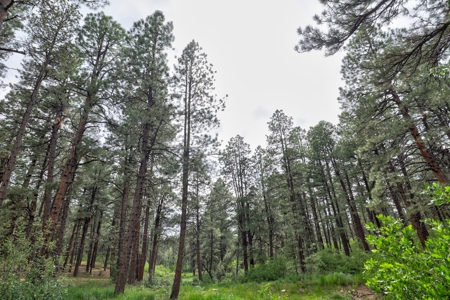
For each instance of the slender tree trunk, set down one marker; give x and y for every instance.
(75, 246)
(33, 204)
(123, 209)
(96, 240)
(81, 248)
(59, 234)
(156, 229)
(144, 243)
(243, 237)
(197, 236)
(71, 242)
(337, 212)
(185, 186)
(87, 221)
(108, 253)
(354, 213)
(249, 234)
(91, 246)
(23, 124)
(316, 218)
(51, 166)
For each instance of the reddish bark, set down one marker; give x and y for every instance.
(23, 124)
(426, 155)
(51, 166)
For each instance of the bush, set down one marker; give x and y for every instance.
(24, 278)
(330, 261)
(402, 269)
(270, 271)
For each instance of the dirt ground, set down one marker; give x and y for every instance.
(362, 292)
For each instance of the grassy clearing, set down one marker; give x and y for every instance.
(332, 286)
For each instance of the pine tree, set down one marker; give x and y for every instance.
(49, 33)
(194, 81)
(149, 70)
(99, 41)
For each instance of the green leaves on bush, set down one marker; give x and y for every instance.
(401, 269)
(270, 271)
(24, 274)
(329, 261)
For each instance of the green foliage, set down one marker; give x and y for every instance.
(265, 293)
(25, 275)
(270, 271)
(101, 293)
(402, 269)
(330, 261)
(440, 193)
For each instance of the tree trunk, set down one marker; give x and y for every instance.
(33, 204)
(427, 157)
(71, 242)
(144, 243)
(185, 186)
(133, 226)
(134, 254)
(123, 209)
(197, 236)
(51, 166)
(154, 253)
(87, 220)
(67, 175)
(354, 213)
(23, 124)
(96, 240)
(81, 248)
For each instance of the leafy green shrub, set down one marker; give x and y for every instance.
(25, 275)
(402, 269)
(330, 261)
(270, 271)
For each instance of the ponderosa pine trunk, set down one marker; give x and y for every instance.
(133, 225)
(51, 166)
(156, 229)
(144, 250)
(426, 155)
(336, 209)
(269, 218)
(85, 229)
(80, 249)
(359, 229)
(19, 136)
(316, 219)
(294, 204)
(32, 206)
(96, 240)
(197, 234)
(123, 208)
(134, 254)
(71, 242)
(185, 186)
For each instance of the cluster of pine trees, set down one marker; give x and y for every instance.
(106, 152)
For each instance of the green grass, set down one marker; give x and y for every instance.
(331, 286)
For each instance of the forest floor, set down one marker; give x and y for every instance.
(98, 285)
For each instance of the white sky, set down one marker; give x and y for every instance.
(250, 43)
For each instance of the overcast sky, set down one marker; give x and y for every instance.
(250, 43)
